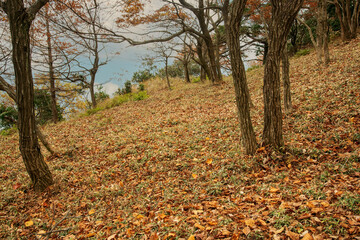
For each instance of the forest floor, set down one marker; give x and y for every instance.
(171, 167)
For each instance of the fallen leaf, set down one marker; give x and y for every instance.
(250, 223)
(90, 235)
(209, 161)
(246, 231)
(29, 223)
(292, 235)
(192, 237)
(274, 190)
(194, 176)
(317, 210)
(197, 225)
(41, 232)
(307, 237)
(92, 211)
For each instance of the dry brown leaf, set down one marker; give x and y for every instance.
(307, 237)
(292, 235)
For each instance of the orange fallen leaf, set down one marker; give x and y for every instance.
(192, 237)
(194, 176)
(209, 161)
(274, 190)
(92, 211)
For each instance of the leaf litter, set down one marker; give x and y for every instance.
(171, 167)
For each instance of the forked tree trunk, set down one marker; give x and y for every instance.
(232, 18)
(286, 80)
(20, 20)
(283, 15)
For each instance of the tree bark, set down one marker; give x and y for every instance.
(232, 18)
(286, 80)
(283, 15)
(20, 20)
(167, 73)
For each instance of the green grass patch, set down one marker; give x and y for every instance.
(302, 52)
(117, 101)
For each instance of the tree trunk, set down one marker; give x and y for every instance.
(92, 91)
(55, 114)
(232, 19)
(286, 80)
(202, 59)
(186, 71)
(167, 74)
(20, 22)
(202, 74)
(283, 15)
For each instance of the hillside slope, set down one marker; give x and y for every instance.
(170, 167)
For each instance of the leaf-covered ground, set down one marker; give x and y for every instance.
(171, 167)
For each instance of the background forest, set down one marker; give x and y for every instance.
(242, 123)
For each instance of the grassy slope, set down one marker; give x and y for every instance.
(171, 165)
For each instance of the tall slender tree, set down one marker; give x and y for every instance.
(283, 13)
(232, 14)
(20, 19)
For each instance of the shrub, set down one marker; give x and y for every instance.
(127, 88)
(141, 87)
(141, 76)
(196, 79)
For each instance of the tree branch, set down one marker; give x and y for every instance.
(35, 8)
(4, 86)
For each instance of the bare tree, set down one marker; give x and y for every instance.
(89, 36)
(348, 12)
(20, 20)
